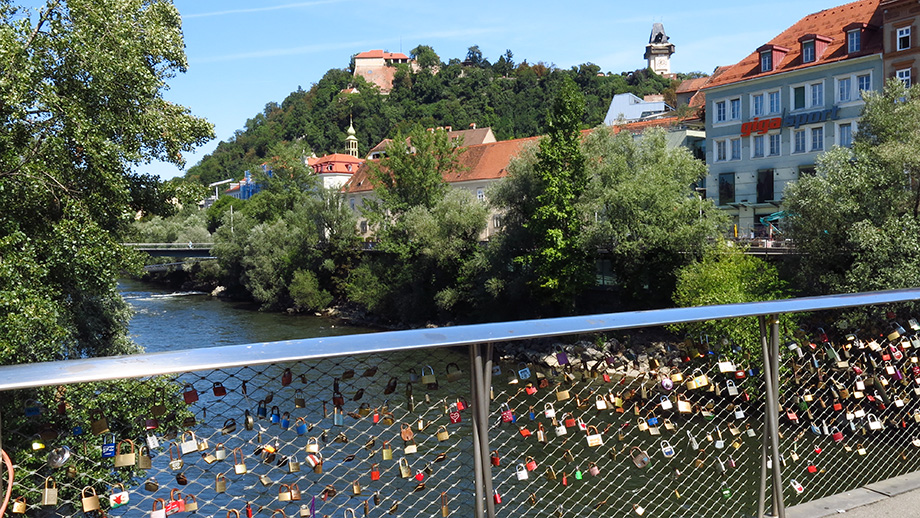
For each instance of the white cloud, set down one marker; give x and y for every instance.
(261, 9)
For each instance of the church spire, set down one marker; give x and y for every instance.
(351, 141)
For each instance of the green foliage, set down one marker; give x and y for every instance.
(856, 220)
(725, 275)
(512, 98)
(646, 215)
(559, 261)
(412, 172)
(306, 293)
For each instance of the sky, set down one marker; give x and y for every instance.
(244, 54)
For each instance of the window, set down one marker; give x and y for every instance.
(351, 203)
(844, 89)
(764, 185)
(774, 102)
(864, 82)
(720, 151)
(720, 111)
(726, 188)
(480, 195)
(845, 134)
(766, 61)
(808, 51)
(817, 138)
(757, 146)
(798, 97)
(854, 41)
(904, 76)
(496, 221)
(775, 140)
(735, 109)
(736, 148)
(363, 226)
(904, 38)
(817, 94)
(798, 137)
(757, 105)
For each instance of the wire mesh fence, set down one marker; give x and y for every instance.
(587, 429)
(372, 435)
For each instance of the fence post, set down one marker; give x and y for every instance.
(475, 382)
(485, 390)
(771, 417)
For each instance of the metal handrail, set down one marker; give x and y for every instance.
(262, 353)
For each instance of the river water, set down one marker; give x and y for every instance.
(167, 320)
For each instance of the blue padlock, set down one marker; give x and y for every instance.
(286, 421)
(262, 410)
(77, 430)
(108, 446)
(301, 427)
(276, 415)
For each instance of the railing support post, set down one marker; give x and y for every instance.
(770, 349)
(481, 381)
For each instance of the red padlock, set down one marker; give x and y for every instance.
(812, 468)
(525, 432)
(497, 497)
(837, 435)
(287, 377)
(375, 472)
(454, 414)
(218, 389)
(530, 464)
(420, 475)
(569, 421)
(376, 417)
(507, 414)
(496, 460)
(530, 389)
(818, 449)
(461, 403)
(565, 479)
(189, 394)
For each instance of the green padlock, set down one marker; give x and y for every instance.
(726, 491)
(578, 474)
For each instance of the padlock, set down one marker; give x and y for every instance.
(442, 433)
(550, 473)
(108, 446)
(524, 371)
(638, 509)
(220, 483)
(49, 492)
(667, 450)
(189, 443)
(594, 439)
(158, 513)
(495, 459)
(404, 470)
(239, 462)
(265, 480)
(506, 414)
(20, 506)
(561, 357)
(497, 498)
(338, 417)
(694, 445)
(386, 451)
(189, 394)
(454, 414)
(127, 458)
(561, 395)
(176, 503)
(312, 445)
(428, 377)
(286, 377)
(453, 375)
(275, 415)
(99, 424)
(218, 389)
(410, 447)
(521, 472)
(639, 457)
(89, 499)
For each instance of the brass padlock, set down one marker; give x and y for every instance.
(220, 483)
(284, 493)
(404, 471)
(265, 480)
(191, 503)
(355, 488)
(143, 459)
(428, 377)
(444, 509)
(20, 506)
(89, 499)
(100, 424)
(239, 463)
(124, 459)
(442, 433)
(151, 484)
(49, 492)
(453, 375)
(387, 451)
(299, 401)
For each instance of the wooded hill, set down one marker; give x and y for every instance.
(512, 98)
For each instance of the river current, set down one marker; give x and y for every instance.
(167, 320)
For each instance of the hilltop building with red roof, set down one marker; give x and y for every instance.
(770, 115)
(378, 67)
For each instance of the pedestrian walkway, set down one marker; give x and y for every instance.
(896, 497)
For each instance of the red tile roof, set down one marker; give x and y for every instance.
(372, 54)
(340, 163)
(692, 85)
(829, 23)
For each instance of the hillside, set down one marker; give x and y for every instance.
(512, 98)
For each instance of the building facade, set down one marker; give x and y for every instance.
(901, 39)
(769, 116)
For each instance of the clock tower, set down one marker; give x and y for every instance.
(658, 51)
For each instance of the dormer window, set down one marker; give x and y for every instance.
(813, 47)
(854, 41)
(771, 56)
(808, 51)
(766, 61)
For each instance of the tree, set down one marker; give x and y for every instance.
(425, 56)
(80, 108)
(856, 220)
(83, 105)
(474, 56)
(646, 214)
(560, 263)
(725, 275)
